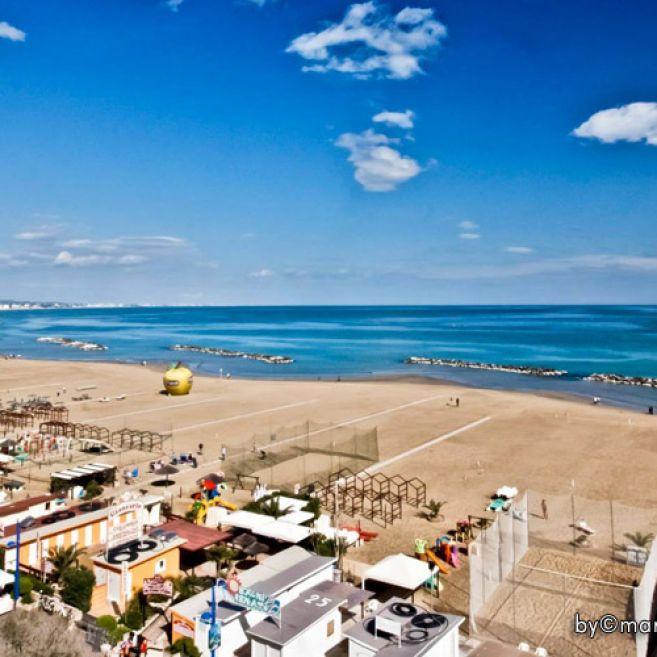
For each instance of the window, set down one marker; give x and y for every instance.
(330, 628)
(161, 566)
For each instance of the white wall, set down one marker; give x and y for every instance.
(448, 646)
(315, 641)
(356, 650)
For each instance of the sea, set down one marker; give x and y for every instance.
(331, 342)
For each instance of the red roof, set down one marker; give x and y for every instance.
(197, 536)
(24, 505)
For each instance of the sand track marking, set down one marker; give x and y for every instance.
(157, 408)
(434, 441)
(244, 415)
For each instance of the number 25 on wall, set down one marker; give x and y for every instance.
(316, 600)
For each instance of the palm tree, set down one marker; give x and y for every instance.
(272, 507)
(221, 554)
(314, 506)
(189, 585)
(433, 509)
(639, 539)
(64, 558)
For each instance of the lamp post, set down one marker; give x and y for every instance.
(17, 572)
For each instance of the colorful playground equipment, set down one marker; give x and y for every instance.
(363, 534)
(443, 554)
(209, 495)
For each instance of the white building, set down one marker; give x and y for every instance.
(309, 625)
(283, 576)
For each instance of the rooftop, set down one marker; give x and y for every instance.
(273, 576)
(24, 505)
(137, 551)
(197, 537)
(411, 645)
(68, 518)
(301, 613)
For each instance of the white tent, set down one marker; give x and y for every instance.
(297, 517)
(283, 531)
(246, 520)
(399, 570)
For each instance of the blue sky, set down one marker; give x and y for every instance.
(289, 151)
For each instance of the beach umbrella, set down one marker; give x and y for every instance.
(167, 471)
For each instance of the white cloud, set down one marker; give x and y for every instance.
(379, 167)
(174, 5)
(370, 41)
(262, 273)
(10, 32)
(469, 230)
(30, 235)
(399, 119)
(519, 249)
(634, 122)
(144, 242)
(68, 259)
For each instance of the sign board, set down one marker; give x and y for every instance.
(183, 628)
(124, 523)
(157, 586)
(232, 592)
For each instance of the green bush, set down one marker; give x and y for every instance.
(40, 587)
(134, 616)
(27, 598)
(2, 557)
(78, 584)
(92, 489)
(26, 585)
(115, 631)
(185, 646)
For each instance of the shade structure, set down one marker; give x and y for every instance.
(267, 526)
(297, 517)
(256, 548)
(284, 531)
(244, 540)
(398, 570)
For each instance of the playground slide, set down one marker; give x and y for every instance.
(225, 504)
(442, 566)
(364, 534)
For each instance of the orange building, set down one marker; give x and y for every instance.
(74, 526)
(120, 572)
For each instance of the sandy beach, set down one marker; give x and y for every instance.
(539, 444)
(524, 440)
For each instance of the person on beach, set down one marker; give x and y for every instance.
(544, 509)
(458, 402)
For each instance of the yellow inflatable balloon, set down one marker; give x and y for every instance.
(178, 380)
